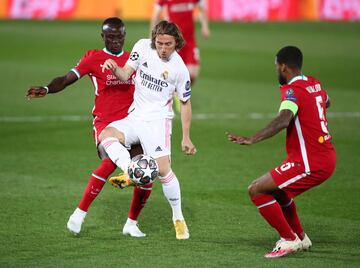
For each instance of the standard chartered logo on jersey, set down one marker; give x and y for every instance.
(112, 80)
(151, 82)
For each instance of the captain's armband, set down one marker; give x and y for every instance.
(289, 105)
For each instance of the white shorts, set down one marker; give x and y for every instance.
(154, 136)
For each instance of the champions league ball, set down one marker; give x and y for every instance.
(143, 169)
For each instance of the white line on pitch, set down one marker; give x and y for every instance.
(196, 116)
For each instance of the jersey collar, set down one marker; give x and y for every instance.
(116, 55)
(298, 77)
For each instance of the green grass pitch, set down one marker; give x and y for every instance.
(47, 153)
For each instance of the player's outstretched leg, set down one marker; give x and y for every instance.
(93, 188)
(171, 189)
(117, 152)
(140, 196)
(270, 209)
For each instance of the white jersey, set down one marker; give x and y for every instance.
(156, 81)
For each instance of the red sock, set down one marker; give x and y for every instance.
(289, 210)
(139, 199)
(271, 211)
(96, 183)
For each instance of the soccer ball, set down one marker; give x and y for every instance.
(143, 169)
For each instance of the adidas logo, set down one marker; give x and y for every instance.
(158, 149)
(145, 64)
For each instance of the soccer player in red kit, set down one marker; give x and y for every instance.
(181, 13)
(311, 157)
(112, 100)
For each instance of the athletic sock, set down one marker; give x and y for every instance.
(171, 189)
(79, 213)
(96, 183)
(139, 199)
(288, 208)
(270, 209)
(117, 152)
(130, 222)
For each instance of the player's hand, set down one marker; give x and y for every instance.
(239, 139)
(205, 32)
(36, 92)
(188, 147)
(109, 64)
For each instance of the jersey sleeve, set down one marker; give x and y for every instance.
(183, 85)
(82, 67)
(136, 53)
(289, 100)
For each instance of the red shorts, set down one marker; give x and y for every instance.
(293, 180)
(190, 54)
(98, 126)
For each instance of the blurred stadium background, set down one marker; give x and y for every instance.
(228, 10)
(47, 152)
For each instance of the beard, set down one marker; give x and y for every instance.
(282, 79)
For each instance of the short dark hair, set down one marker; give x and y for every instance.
(114, 21)
(291, 56)
(170, 28)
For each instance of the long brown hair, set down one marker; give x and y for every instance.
(169, 28)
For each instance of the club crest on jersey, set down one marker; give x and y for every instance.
(165, 75)
(134, 56)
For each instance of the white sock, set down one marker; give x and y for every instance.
(130, 222)
(80, 213)
(117, 152)
(171, 189)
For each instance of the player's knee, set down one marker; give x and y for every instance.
(111, 132)
(164, 170)
(253, 189)
(103, 135)
(164, 165)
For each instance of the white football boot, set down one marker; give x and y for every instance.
(75, 221)
(131, 228)
(284, 247)
(306, 243)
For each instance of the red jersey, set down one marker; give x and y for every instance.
(308, 140)
(181, 13)
(112, 96)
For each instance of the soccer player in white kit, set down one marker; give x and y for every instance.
(160, 73)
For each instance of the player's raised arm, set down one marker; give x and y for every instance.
(186, 113)
(123, 73)
(56, 85)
